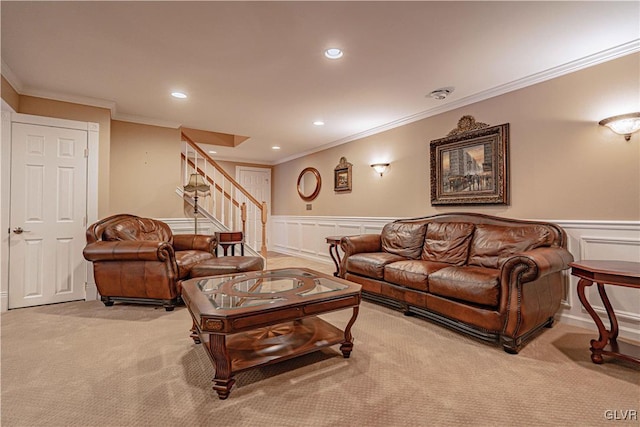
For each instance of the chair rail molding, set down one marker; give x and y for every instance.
(304, 237)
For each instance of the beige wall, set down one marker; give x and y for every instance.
(145, 170)
(563, 165)
(85, 113)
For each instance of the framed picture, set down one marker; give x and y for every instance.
(342, 176)
(470, 167)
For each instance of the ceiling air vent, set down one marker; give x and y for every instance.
(440, 94)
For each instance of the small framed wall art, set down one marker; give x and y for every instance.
(342, 176)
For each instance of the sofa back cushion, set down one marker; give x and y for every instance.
(448, 242)
(138, 229)
(404, 239)
(492, 244)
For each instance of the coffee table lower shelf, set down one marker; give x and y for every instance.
(265, 346)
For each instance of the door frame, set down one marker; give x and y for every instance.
(9, 116)
(239, 169)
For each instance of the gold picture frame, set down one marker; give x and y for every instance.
(470, 165)
(342, 176)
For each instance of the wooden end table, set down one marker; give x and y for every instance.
(334, 244)
(229, 239)
(616, 273)
(257, 318)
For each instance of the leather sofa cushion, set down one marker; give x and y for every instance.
(493, 244)
(371, 264)
(412, 273)
(476, 285)
(186, 260)
(448, 242)
(404, 239)
(138, 229)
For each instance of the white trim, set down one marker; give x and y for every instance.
(570, 67)
(49, 121)
(73, 99)
(186, 225)
(253, 240)
(5, 186)
(93, 144)
(93, 135)
(561, 70)
(11, 77)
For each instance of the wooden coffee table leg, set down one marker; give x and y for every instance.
(347, 345)
(194, 333)
(223, 380)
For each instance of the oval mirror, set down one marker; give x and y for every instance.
(309, 183)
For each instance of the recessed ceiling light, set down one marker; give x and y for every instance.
(179, 95)
(275, 147)
(212, 152)
(318, 123)
(333, 53)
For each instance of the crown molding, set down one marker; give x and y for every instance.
(570, 67)
(11, 77)
(73, 99)
(17, 84)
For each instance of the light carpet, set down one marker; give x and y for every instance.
(83, 364)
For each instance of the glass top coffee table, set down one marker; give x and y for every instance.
(251, 319)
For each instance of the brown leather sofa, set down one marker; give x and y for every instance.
(140, 260)
(494, 278)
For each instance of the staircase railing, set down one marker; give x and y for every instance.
(230, 204)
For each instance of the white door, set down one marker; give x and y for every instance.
(47, 218)
(257, 181)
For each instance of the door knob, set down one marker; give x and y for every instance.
(19, 230)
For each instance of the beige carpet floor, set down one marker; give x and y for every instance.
(83, 364)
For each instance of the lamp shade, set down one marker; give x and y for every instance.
(624, 124)
(380, 167)
(197, 185)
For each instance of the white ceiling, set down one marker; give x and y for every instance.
(257, 68)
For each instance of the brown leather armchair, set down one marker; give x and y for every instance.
(140, 260)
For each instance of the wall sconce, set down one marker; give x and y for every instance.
(624, 124)
(380, 167)
(196, 185)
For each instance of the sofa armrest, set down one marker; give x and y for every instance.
(540, 262)
(128, 250)
(361, 243)
(198, 242)
(533, 294)
(356, 244)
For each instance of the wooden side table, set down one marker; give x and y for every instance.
(229, 239)
(334, 244)
(617, 273)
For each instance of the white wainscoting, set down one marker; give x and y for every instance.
(186, 225)
(304, 236)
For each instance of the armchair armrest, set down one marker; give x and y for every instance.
(362, 243)
(199, 242)
(128, 250)
(540, 262)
